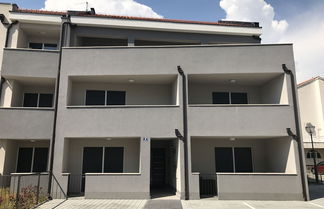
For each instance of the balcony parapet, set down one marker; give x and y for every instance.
(30, 63)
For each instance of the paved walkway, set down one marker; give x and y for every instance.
(174, 204)
(317, 196)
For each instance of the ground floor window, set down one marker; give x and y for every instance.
(312, 153)
(233, 159)
(103, 159)
(32, 159)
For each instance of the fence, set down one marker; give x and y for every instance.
(208, 185)
(24, 191)
(311, 175)
(76, 185)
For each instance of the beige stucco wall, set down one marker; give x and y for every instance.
(74, 155)
(268, 155)
(311, 104)
(270, 92)
(9, 153)
(13, 92)
(201, 93)
(136, 94)
(4, 9)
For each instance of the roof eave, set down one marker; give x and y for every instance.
(137, 24)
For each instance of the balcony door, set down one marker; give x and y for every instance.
(233, 159)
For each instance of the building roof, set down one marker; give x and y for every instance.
(89, 14)
(304, 83)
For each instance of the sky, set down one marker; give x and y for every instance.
(300, 22)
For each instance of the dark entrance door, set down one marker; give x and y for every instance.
(92, 162)
(158, 167)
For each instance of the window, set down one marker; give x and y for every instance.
(224, 159)
(239, 98)
(238, 159)
(100, 97)
(230, 98)
(95, 97)
(116, 97)
(38, 100)
(103, 159)
(243, 159)
(114, 160)
(92, 160)
(32, 160)
(50, 46)
(221, 98)
(310, 154)
(36, 45)
(45, 46)
(30, 100)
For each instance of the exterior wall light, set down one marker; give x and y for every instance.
(232, 81)
(232, 139)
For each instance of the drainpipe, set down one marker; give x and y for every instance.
(297, 137)
(8, 32)
(57, 83)
(185, 129)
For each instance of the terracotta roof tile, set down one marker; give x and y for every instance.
(221, 23)
(309, 81)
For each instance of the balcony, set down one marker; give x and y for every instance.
(122, 105)
(26, 109)
(29, 63)
(239, 105)
(26, 123)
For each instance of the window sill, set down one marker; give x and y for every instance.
(119, 106)
(260, 174)
(112, 174)
(238, 105)
(28, 174)
(26, 108)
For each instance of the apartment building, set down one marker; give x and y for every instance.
(130, 107)
(311, 100)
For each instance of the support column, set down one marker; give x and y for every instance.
(145, 165)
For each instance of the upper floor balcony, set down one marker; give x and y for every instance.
(239, 105)
(26, 110)
(29, 63)
(123, 105)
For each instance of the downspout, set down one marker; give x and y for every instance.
(57, 83)
(10, 25)
(185, 129)
(8, 32)
(297, 137)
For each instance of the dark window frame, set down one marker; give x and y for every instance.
(42, 46)
(106, 98)
(234, 158)
(310, 154)
(103, 158)
(32, 160)
(230, 98)
(38, 99)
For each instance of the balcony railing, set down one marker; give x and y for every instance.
(240, 120)
(26, 123)
(30, 63)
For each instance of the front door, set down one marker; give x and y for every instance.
(158, 166)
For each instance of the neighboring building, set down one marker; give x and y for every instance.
(120, 101)
(311, 105)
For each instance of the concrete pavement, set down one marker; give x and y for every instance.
(316, 191)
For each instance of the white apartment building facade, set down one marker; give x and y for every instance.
(128, 106)
(311, 100)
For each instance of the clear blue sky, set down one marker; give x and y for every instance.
(205, 10)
